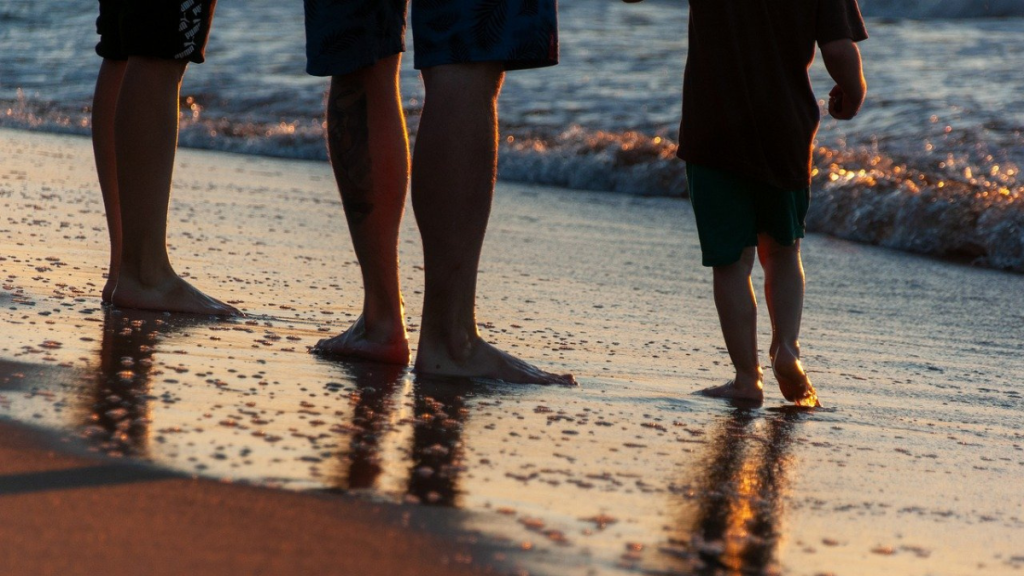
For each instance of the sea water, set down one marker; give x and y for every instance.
(932, 165)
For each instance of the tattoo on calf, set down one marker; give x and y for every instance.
(356, 211)
(348, 141)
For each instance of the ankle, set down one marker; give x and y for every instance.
(457, 344)
(749, 378)
(785, 352)
(384, 320)
(385, 331)
(147, 274)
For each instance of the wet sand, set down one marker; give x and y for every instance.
(71, 514)
(911, 468)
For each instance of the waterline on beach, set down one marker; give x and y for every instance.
(932, 165)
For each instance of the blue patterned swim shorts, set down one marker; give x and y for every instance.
(343, 36)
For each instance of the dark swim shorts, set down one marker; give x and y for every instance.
(168, 29)
(731, 210)
(343, 36)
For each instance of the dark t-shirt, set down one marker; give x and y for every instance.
(748, 106)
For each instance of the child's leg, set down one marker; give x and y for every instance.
(369, 150)
(104, 103)
(145, 140)
(784, 294)
(737, 313)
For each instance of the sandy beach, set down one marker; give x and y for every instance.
(229, 432)
(78, 514)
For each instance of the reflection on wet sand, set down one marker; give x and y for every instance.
(376, 386)
(403, 437)
(116, 406)
(437, 451)
(740, 492)
(430, 468)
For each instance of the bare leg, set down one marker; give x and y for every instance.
(784, 294)
(369, 151)
(453, 176)
(145, 140)
(108, 85)
(737, 312)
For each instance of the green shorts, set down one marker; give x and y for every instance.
(731, 210)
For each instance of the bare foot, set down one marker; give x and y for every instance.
(171, 295)
(108, 290)
(733, 391)
(479, 359)
(793, 381)
(358, 344)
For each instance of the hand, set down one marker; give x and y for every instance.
(842, 60)
(842, 106)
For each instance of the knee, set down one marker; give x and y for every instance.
(383, 71)
(156, 69)
(354, 82)
(769, 249)
(464, 80)
(742, 267)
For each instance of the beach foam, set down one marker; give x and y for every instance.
(943, 106)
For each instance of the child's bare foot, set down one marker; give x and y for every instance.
(170, 295)
(732, 390)
(478, 359)
(793, 381)
(356, 343)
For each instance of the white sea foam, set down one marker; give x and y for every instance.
(944, 104)
(946, 211)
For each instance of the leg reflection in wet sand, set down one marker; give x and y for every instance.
(432, 466)
(374, 397)
(116, 411)
(739, 495)
(437, 449)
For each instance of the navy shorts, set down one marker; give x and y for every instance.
(343, 36)
(168, 29)
(731, 210)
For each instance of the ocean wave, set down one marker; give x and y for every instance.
(931, 9)
(958, 208)
(936, 9)
(949, 212)
(630, 162)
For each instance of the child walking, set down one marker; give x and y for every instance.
(749, 121)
